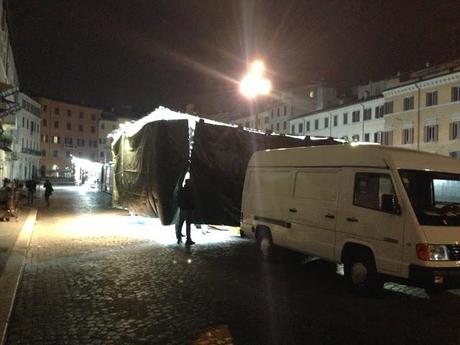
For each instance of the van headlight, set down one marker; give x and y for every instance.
(432, 252)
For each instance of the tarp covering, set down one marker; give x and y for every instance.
(148, 167)
(219, 159)
(151, 158)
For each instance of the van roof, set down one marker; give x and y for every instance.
(375, 156)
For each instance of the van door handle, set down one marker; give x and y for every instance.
(352, 219)
(330, 216)
(293, 210)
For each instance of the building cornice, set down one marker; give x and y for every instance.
(423, 84)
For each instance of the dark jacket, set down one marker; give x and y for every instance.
(185, 198)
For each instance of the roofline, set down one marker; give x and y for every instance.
(65, 101)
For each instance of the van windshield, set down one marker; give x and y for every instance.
(435, 196)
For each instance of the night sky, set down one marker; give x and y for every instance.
(152, 52)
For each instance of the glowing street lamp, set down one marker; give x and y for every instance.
(254, 83)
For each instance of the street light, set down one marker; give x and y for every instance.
(254, 83)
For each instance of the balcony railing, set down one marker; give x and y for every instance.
(31, 151)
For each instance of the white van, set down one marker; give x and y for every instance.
(385, 213)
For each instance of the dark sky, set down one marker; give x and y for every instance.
(154, 52)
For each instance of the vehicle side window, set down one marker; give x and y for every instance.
(372, 190)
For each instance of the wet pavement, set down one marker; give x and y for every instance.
(94, 275)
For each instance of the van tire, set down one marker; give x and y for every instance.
(361, 273)
(265, 244)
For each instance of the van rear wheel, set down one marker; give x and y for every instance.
(361, 273)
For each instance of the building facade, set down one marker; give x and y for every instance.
(67, 130)
(23, 127)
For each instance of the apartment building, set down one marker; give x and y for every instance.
(358, 121)
(418, 110)
(426, 114)
(67, 130)
(23, 127)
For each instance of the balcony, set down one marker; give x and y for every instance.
(31, 151)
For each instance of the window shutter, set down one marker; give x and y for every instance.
(451, 131)
(436, 132)
(452, 94)
(425, 134)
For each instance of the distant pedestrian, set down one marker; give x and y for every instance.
(48, 191)
(31, 186)
(186, 206)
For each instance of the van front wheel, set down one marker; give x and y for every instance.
(361, 274)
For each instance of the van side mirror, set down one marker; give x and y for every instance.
(390, 204)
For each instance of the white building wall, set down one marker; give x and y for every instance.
(324, 123)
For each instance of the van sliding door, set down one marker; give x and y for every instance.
(313, 211)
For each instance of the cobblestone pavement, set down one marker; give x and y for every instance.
(97, 276)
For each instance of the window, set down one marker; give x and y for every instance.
(44, 138)
(316, 124)
(23, 122)
(80, 128)
(278, 126)
(56, 111)
(454, 130)
(278, 112)
(345, 118)
(284, 125)
(271, 113)
(408, 136)
(335, 120)
(68, 141)
(384, 138)
(373, 190)
(292, 129)
(431, 98)
(45, 122)
(367, 137)
(69, 112)
(55, 139)
(367, 114)
(56, 124)
(67, 154)
(45, 108)
(355, 116)
(300, 128)
(69, 126)
(93, 129)
(93, 117)
(408, 103)
(308, 126)
(271, 127)
(55, 154)
(379, 111)
(102, 155)
(285, 110)
(266, 120)
(455, 94)
(326, 122)
(388, 108)
(81, 115)
(431, 133)
(27, 124)
(44, 153)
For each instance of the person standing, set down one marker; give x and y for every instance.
(48, 191)
(31, 186)
(186, 206)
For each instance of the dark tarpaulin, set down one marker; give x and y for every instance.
(220, 155)
(149, 166)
